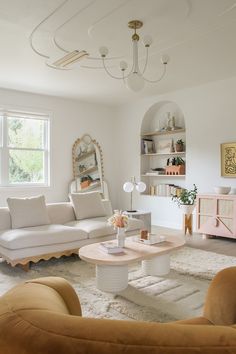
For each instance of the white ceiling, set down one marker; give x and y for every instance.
(198, 36)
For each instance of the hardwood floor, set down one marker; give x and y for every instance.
(220, 245)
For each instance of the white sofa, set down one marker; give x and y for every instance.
(63, 236)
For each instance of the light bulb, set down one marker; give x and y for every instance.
(135, 82)
(128, 187)
(165, 59)
(103, 51)
(141, 187)
(123, 65)
(147, 40)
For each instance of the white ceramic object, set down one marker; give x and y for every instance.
(222, 190)
(233, 191)
(187, 209)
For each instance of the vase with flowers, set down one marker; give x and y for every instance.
(120, 222)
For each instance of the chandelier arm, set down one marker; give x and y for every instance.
(159, 79)
(55, 41)
(123, 77)
(146, 61)
(113, 76)
(37, 27)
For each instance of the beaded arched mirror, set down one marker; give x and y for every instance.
(87, 166)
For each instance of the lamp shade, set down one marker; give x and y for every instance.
(128, 187)
(141, 187)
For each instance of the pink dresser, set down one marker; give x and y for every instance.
(216, 215)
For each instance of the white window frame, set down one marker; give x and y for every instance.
(5, 149)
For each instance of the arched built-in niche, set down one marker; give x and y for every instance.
(162, 126)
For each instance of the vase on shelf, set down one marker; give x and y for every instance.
(120, 236)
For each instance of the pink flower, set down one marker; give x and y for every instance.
(118, 220)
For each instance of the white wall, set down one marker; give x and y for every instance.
(210, 118)
(70, 120)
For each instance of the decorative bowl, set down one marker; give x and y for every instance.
(222, 190)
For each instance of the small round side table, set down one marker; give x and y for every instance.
(145, 216)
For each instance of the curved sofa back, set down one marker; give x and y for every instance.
(59, 213)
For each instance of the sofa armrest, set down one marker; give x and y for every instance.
(107, 206)
(59, 333)
(64, 289)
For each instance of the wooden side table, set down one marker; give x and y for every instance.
(145, 216)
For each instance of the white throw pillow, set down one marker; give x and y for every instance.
(27, 212)
(87, 205)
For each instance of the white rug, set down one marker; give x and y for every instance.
(179, 295)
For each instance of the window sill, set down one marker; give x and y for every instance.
(24, 186)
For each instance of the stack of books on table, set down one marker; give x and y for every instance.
(110, 247)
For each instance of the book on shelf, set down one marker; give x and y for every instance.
(165, 190)
(147, 146)
(155, 173)
(110, 247)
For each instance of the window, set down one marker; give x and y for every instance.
(24, 149)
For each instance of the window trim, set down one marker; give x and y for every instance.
(5, 149)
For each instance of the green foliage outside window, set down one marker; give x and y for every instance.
(25, 163)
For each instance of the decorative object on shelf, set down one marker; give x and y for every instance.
(228, 160)
(120, 222)
(165, 146)
(177, 166)
(155, 171)
(152, 190)
(135, 79)
(85, 181)
(179, 145)
(147, 146)
(87, 164)
(170, 122)
(128, 187)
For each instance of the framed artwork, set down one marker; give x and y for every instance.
(165, 146)
(228, 160)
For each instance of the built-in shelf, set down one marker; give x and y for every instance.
(163, 125)
(89, 170)
(164, 176)
(182, 153)
(165, 132)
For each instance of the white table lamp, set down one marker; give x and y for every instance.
(128, 187)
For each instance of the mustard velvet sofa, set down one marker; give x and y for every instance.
(43, 316)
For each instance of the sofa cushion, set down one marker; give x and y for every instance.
(60, 213)
(95, 227)
(27, 212)
(40, 236)
(87, 205)
(98, 227)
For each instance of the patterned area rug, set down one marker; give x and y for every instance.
(179, 295)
